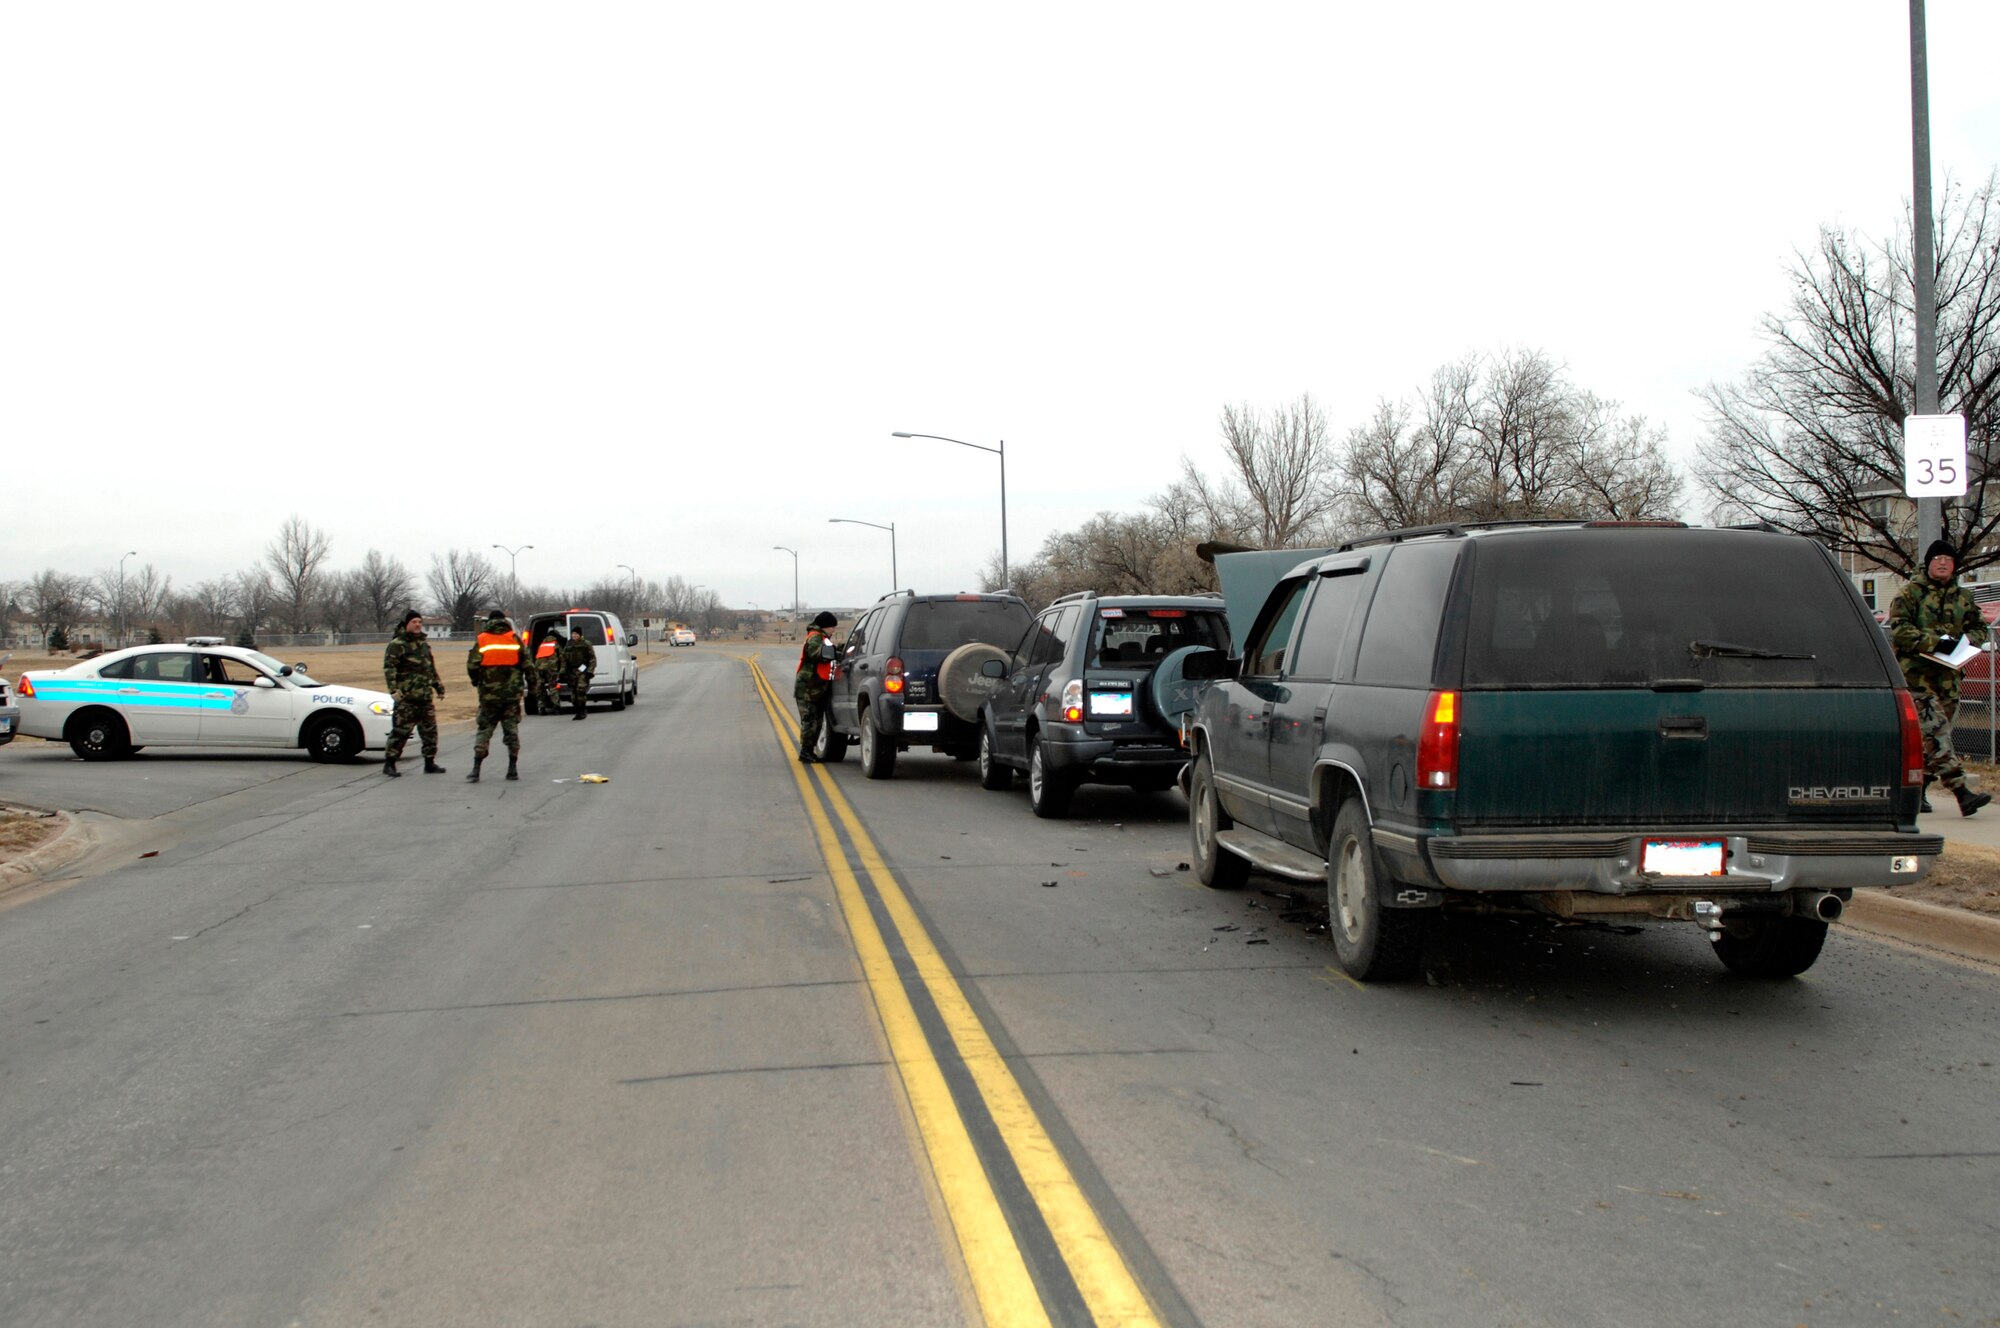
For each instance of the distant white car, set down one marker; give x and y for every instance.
(684, 636)
(198, 695)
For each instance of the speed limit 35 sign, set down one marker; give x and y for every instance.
(1934, 456)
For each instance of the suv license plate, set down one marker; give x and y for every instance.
(920, 721)
(1117, 704)
(1682, 857)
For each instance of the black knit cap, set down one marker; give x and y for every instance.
(409, 614)
(1937, 547)
(824, 619)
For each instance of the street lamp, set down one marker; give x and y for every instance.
(1001, 452)
(513, 581)
(129, 553)
(891, 528)
(795, 578)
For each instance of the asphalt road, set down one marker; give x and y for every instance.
(715, 1044)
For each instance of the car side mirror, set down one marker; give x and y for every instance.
(994, 668)
(631, 639)
(284, 671)
(263, 682)
(299, 667)
(1207, 666)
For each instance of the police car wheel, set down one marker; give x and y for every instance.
(333, 738)
(99, 735)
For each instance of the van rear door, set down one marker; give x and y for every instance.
(1626, 678)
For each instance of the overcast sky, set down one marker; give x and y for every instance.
(653, 283)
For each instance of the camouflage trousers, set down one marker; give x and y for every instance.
(414, 712)
(811, 699)
(506, 714)
(1934, 714)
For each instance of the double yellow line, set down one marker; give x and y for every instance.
(988, 1239)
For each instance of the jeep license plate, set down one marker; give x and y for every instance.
(1682, 857)
(1111, 705)
(920, 721)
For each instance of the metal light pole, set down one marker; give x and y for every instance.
(795, 578)
(891, 528)
(1930, 511)
(513, 581)
(1001, 452)
(129, 553)
(704, 613)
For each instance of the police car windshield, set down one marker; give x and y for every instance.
(275, 667)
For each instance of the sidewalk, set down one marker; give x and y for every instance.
(1981, 828)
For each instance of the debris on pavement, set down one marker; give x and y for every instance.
(1050, 885)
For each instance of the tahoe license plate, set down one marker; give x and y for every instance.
(1116, 705)
(920, 721)
(1682, 857)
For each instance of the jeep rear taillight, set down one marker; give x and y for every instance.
(892, 676)
(1437, 748)
(1913, 741)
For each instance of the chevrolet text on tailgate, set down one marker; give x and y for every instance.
(1571, 719)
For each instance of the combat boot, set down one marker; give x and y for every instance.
(431, 767)
(1924, 798)
(389, 768)
(1970, 802)
(513, 767)
(473, 778)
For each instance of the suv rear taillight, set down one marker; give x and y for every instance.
(1437, 748)
(1913, 741)
(892, 676)
(1072, 700)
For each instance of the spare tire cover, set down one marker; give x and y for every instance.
(961, 686)
(1173, 695)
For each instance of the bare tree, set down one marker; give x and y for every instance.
(1282, 463)
(459, 579)
(1810, 438)
(210, 607)
(254, 597)
(55, 603)
(297, 559)
(384, 587)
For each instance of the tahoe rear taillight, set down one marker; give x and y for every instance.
(1437, 748)
(1913, 741)
(892, 675)
(1072, 700)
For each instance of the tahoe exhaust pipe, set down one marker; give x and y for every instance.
(1827, 908)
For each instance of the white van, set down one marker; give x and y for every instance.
(617, 676)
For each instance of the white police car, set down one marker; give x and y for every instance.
(198, 694)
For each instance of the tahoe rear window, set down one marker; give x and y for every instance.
(947, 624)
(1630, 608)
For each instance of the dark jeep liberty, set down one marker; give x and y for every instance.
(1584, 719)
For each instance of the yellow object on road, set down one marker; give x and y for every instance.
(593, 779)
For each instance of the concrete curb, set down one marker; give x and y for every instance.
(1955, 931)
(66, 846)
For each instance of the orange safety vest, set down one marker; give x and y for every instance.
(548, 648)
(823, 670)
(499, 650)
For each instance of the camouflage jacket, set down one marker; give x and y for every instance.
(578, 656)
(816, 651)
(1925, 612)
(497, 683)
(409, 669)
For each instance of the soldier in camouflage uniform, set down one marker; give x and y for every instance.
(812, 682)
(1932, 614)
(577, 661)
(413, 680)
(501, 676)
(548, 668)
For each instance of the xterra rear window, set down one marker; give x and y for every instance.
(1632, 608)
(947, 624)
(1143, 637)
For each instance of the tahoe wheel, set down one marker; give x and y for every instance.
(992, 775)
(829, 747)
(878, 755)
(1372, 943)
(1215, 865)
(333, 738)
(99, 735)
(1770, 947)
(1048, 790)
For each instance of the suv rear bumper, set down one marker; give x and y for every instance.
(1111, 760)
(892, 717)
(1608, 864)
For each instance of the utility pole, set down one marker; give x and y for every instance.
(1930, 511)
